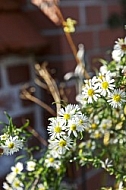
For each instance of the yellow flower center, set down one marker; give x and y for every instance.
(17, 184)
(57, 129)
(93, 125)
(117, 98)
(41, 188)
(104, 126)
(73, 127)
(11, 145)
(4, 137)
(105, 85)
(16, 170)
(62, 143)
(100, 77)
(81, 122)
(88, 144)
(51, 159)
(90, 92)
(66, 116)
(97, 135)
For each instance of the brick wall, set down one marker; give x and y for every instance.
(15, 71)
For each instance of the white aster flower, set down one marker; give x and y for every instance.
(103, 69)
(116, 54)
(41, 186)
(124, 70)
(121, 186)
(97, 134)
(116, 98)
(17, 184)
(119, 49)
(82, 121)
(105, 124)
(77, 124)
(56, 128)
(12, 145)
(10, 177)
(55, 154)
(50, 161)
(90, 91)
(105, 83)
(72, 127)
(6, 186)
(30, 165)
(61, 145)
(68, 112)
(4, 137)
(17, 168)
(89, 144)
(81, 99)
(106, 164)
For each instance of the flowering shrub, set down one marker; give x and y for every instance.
(91, 132)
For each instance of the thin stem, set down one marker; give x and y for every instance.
(34, 184)
(71, 43)
(26, 95)
(36, 134)
(42, 71)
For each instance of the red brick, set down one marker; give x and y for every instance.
(94, 60)
(93, 14)
(60, 68)
(59, 45)
(54, 45)
(40, 20)
(70, 12)
(114, 9)
(26, 103)
(21, 119)
(99, 180)
(7, 101)
(85, 38)
(78, 173)
(56, 69)
(64, 45)
(108, 37)
(18, 74)
(71, 94)
(0, 80)
(69, 66)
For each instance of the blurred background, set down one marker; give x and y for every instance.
(28, 37)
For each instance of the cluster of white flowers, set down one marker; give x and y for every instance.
(69, 123)
(103, 101)
(119, 49)
(107, 97)
(13, 181)
(10, 144)
(102, 86)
